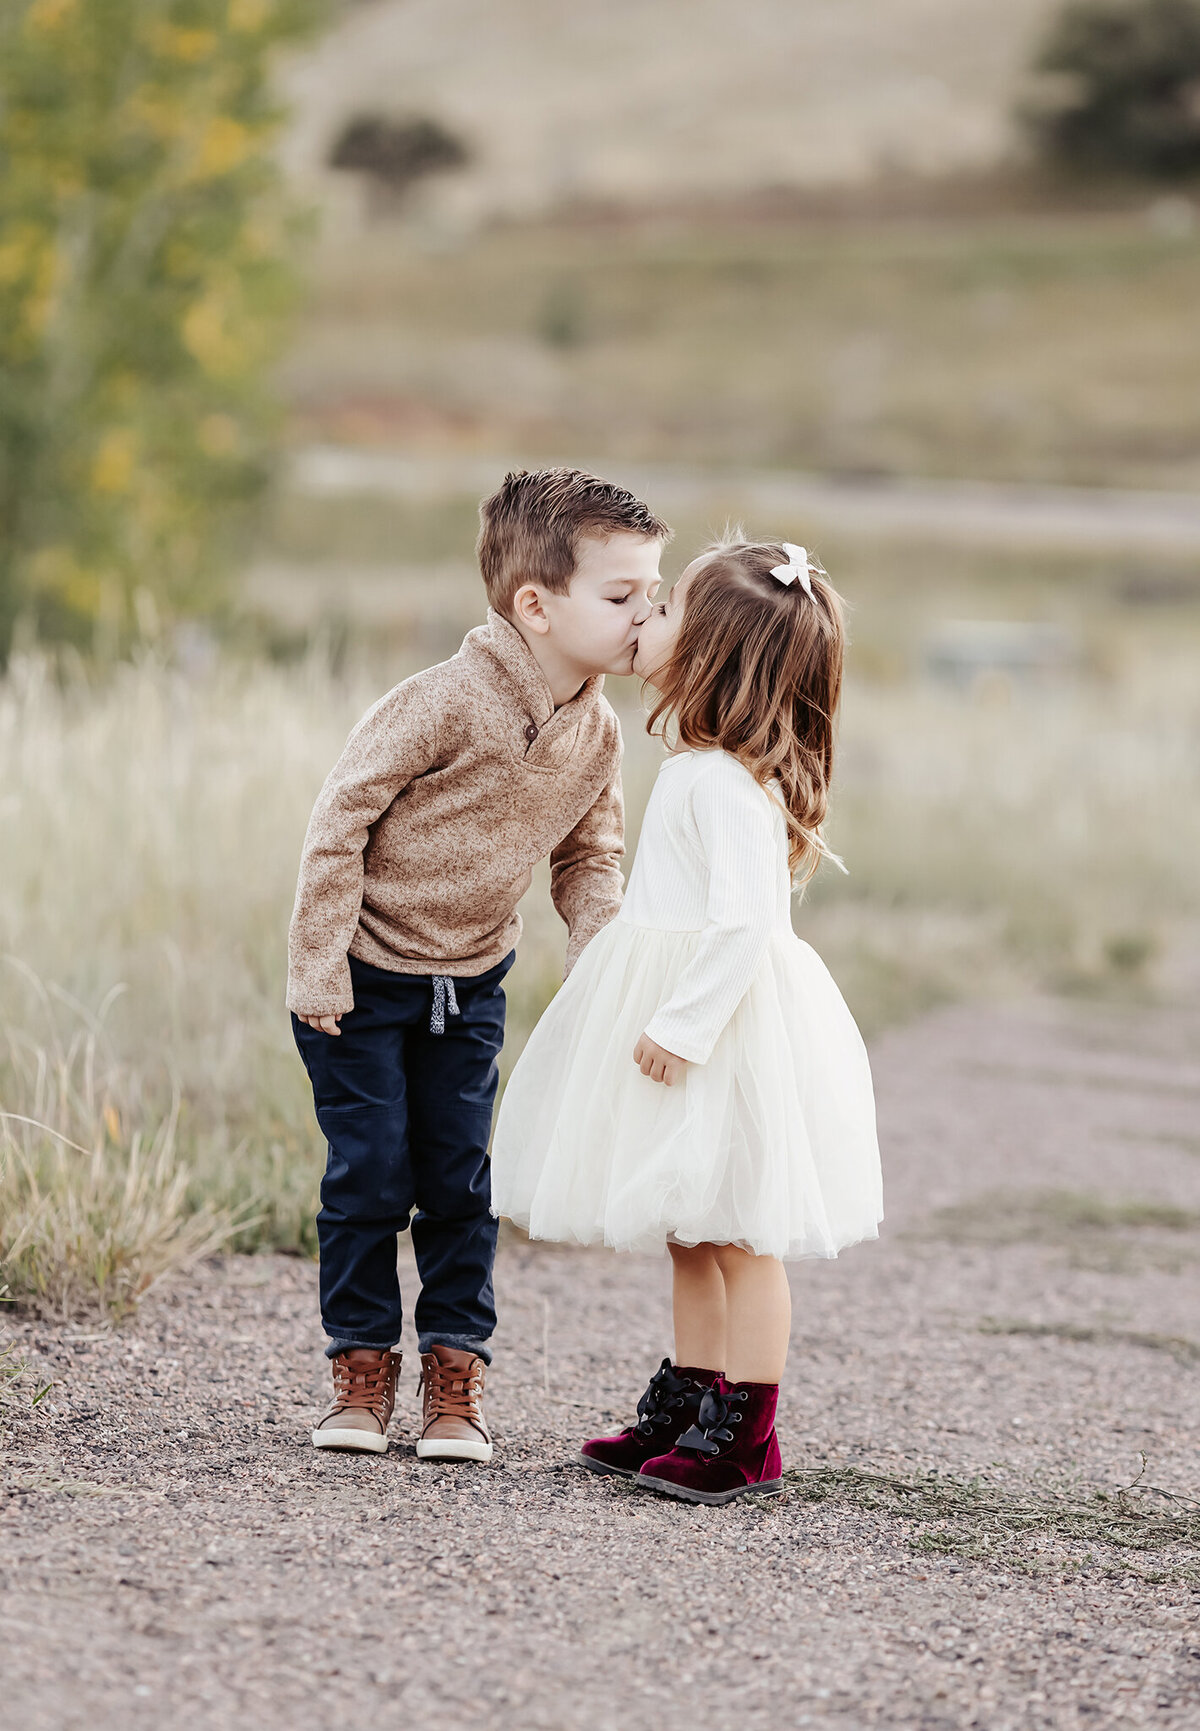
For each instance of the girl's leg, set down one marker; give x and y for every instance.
(758, 1313)
(671, 1405)
(739, 1451)
(698, 1297)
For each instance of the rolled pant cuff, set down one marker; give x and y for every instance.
(460, 1343)
(339, 1343)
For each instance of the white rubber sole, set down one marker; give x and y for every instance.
(450, 1450)
(356, 1441)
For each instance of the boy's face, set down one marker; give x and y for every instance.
(595, 625)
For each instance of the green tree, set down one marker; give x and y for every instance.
(1123, 89)
(145, 265)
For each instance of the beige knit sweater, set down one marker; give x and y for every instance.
(450, 789)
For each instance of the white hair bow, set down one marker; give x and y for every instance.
(797, 568)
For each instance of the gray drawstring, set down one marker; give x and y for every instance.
(443, 999)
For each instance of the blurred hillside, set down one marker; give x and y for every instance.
(1040, 348)
(639, 101)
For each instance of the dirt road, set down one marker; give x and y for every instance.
(174, 1554)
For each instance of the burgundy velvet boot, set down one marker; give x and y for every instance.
(730, 1450)
(669, 1405)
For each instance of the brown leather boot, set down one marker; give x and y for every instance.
(364, 1394)
(453, 1427)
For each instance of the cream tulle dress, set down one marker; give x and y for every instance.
(768, 1140)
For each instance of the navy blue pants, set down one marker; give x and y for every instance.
(407, 1113)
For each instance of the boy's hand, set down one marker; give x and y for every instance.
(325, 1024)
(657, 1063)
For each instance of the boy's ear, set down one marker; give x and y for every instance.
(529, 610)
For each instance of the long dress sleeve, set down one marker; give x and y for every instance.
(738, 829)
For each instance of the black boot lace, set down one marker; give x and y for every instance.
(666, 1393)
(713, 1431)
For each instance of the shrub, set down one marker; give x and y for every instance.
(396, 153)
(144, 265)
(1123, 87)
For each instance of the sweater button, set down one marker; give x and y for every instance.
(531, 732)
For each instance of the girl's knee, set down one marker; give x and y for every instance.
(691, 1255)
(731, 1257)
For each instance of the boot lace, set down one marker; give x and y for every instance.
(665, 1394)
(366, 1386)
(713, 1430)
(449, 1394)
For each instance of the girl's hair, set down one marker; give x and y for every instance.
(757, 671)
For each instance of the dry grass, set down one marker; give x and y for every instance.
(94, 1197)
(1028, 1531)
(151, 826)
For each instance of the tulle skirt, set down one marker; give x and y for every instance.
(770, 1144)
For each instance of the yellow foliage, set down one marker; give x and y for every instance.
(207, 336)
(18, 254)
(225, 144)
(260, 236)
(57, 572)
(175, 43)
(39, 303)
(112, 468)
(134, 324)
(154, 111)
(47, 15)
(248, 15)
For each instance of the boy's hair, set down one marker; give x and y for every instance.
(757, 671)
(530, 528)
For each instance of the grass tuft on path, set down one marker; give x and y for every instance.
(1178, 1345)
(1021, 1530)
(21, 1390)
(1094, 1231)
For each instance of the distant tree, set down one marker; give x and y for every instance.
(395, 154)
(1122, 87)
(144, 266)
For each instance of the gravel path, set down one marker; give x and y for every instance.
(173, 1552)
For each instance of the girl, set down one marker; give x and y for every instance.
(699, 1081)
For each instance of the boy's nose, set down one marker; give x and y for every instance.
(641, 615)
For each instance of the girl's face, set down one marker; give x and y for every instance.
(658, 635)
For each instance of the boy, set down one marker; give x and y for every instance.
(420, 846)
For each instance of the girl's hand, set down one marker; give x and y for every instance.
(657, 1063)
(324, 1024)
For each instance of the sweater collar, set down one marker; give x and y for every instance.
(504, 644)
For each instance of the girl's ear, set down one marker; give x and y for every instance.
(528, 609)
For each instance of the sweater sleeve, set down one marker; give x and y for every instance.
(395, 742)
(739, 835)
(586, 885)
